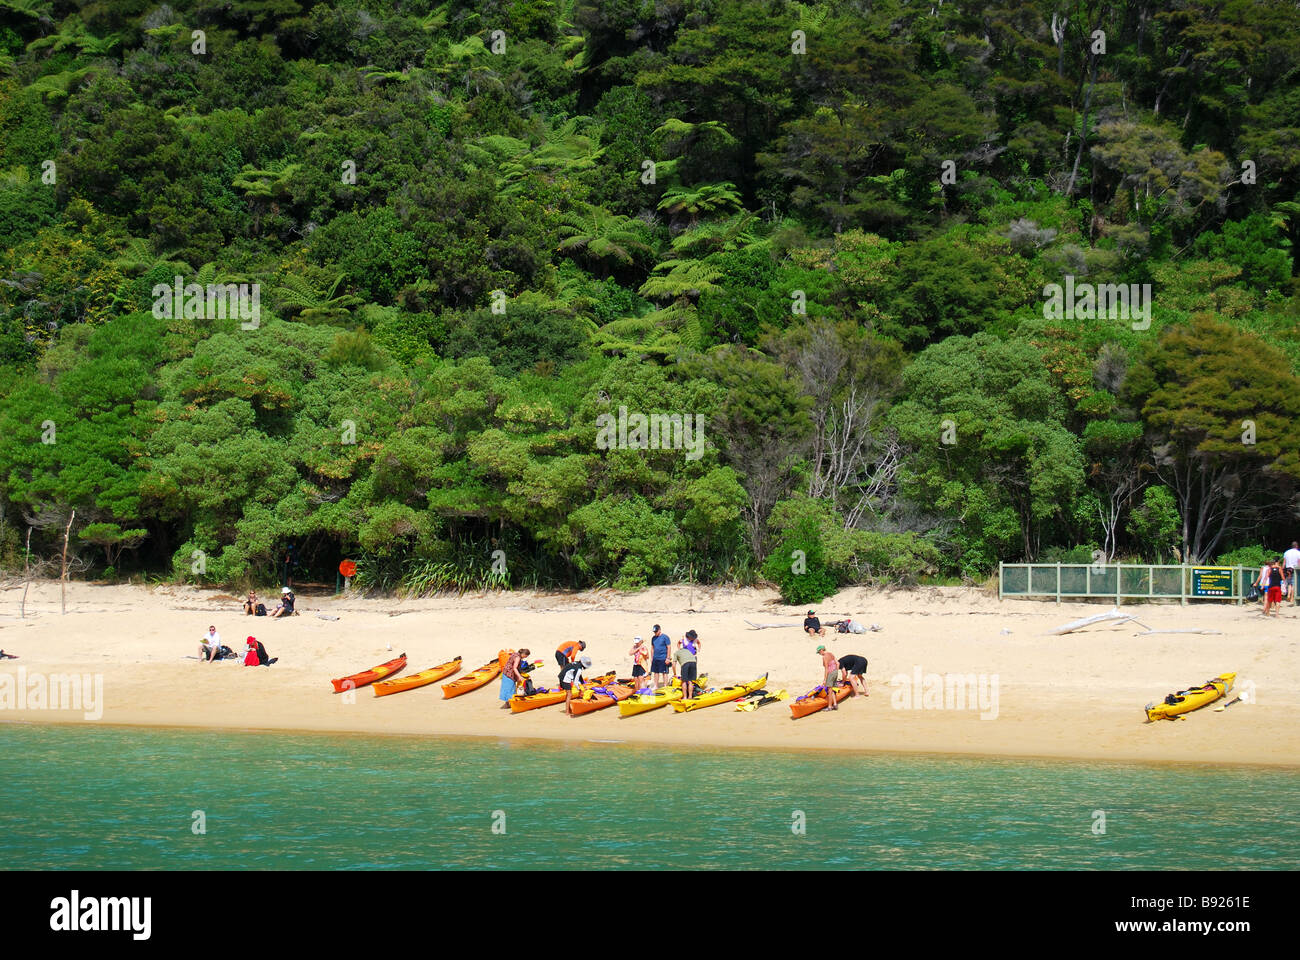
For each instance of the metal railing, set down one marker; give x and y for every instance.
(1125, 581)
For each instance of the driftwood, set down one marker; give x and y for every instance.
(1113, 616)
(765, 626)
(1148, 632)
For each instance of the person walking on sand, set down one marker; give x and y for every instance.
(640, 655)
(210, 645)
(1261, 582)
(1274, 596)
(1291, 561)
(511, 678)
(566, 653)
(852, 668)
(686, 659)
(570, 677)
(659, 646)
(831, 673)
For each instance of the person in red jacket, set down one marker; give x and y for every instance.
(256, 656)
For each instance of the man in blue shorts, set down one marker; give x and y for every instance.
(659, 644)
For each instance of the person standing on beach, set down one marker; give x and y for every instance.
(1274, 595)
(1291, 560)
(831, 673)
(640, 655)
(812, 626)
(659, 644)
(511, 678)
(570, 677)
(685, 658)
(566, 653)
(852, 669)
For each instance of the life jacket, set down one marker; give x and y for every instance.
(502, 657)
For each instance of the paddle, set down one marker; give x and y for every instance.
(1224, 706)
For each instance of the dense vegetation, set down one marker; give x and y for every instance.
(828, 230)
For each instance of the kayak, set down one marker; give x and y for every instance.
(711, 698)
(472, 680)
(1185, 701)
(644, 702)
(425, 677)
(816, 699)
(598, 698)
(547, 698)
(369, 676)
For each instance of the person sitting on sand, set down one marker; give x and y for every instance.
(566, 653)
(256, 656)
(210, 645)
(570, 677)
(812, 626)
(287, 600)
(831, 672)
(250, 604)
(852, 669)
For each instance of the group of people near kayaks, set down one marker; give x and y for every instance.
(663, 673)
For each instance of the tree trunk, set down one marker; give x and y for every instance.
(27, 576)
(63, 572)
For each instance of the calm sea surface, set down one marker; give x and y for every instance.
(119, 798)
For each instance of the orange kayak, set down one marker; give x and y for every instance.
(369, 676)
(552, 697)
(472, 680)
(613, 693)
(816, 699)
(425, 677)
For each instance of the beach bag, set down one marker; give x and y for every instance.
(855, 627)
(224, 653)
(259, 610)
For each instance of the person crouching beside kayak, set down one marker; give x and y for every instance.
(831, 673)
(568, 652)
(686, 659)
(852, 669)
(570, 677)
(511, 678)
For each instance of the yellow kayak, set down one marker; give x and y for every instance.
(712, 698)
(1185, 701)
(644, 702)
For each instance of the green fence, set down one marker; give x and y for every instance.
(1125, 581)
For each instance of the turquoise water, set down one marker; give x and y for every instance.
(119, 798)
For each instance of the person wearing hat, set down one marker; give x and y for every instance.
(640, 655)
(660, 644)
(256, 656)
(209, 645)
(566, 653)
(812, 626)
(686, 658)
(830, 674)
(570, 677)
(285, 609)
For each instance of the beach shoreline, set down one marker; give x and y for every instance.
(1076, 697)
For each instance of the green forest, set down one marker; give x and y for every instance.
(847, 240)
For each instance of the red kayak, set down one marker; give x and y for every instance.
(369, 676)
(816, 699)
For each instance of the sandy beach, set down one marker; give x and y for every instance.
(1074, 696)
